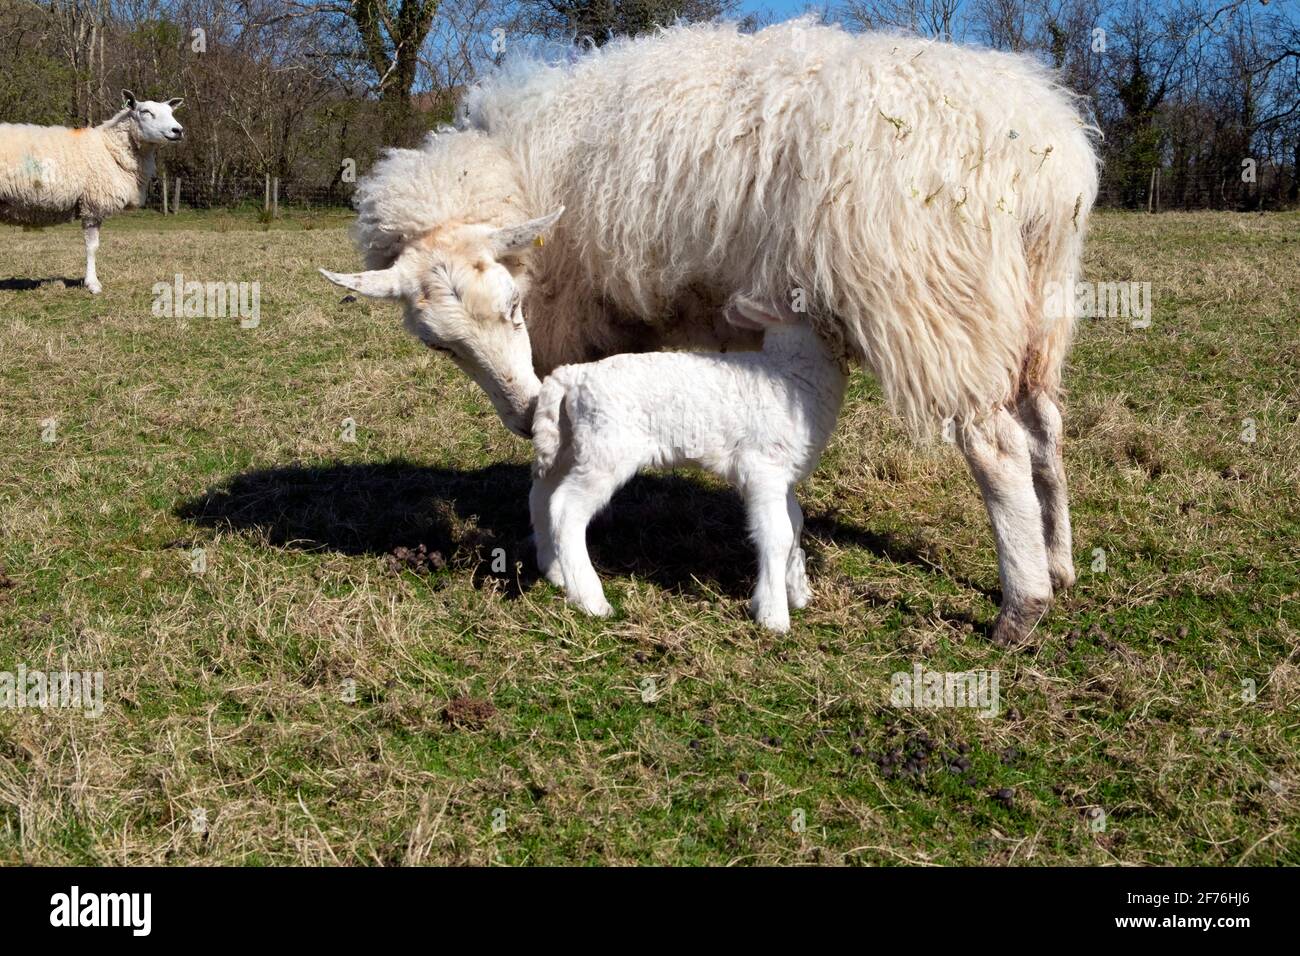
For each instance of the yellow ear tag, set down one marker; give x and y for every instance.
(539, 242)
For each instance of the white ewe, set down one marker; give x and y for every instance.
(51, 174)
(758, 419)
(921, 198)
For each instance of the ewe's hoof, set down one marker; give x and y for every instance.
(95, 288)
(1016, 621)
(553, 574)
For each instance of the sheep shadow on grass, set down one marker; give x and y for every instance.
(678, 531)
(16, 284)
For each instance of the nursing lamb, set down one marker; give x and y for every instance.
(758, 419)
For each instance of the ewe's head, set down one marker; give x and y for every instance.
(156, 121)
(462, 287)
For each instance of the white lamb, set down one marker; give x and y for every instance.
(758, 419)
(52, 174)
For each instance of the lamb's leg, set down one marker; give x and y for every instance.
(90, 227)
(796, 575)
(539, 507)
(1000, 463)
(574, 502)
(773, 533)
(1042, 420)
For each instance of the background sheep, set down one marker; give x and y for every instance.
(758, 419)
(916, 198)
(51, 174)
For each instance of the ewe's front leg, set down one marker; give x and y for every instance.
(1000, 463)
(90, 228)
(769, 522)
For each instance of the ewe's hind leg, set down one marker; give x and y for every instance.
(1000, 462)
(1042, 420)
(90, 227)
(573, 504)
(769, 522)
(539, 509)
(796, 575)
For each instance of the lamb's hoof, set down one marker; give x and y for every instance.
(596, 608)
(553, 574)
(1062, 576)
(1015, 621)
(797, 590)
(777, 621)
(94, 287)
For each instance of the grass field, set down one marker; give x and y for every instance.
(318, 695)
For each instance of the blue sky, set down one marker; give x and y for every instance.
(783, 9)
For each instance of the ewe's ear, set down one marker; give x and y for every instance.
(128, 99)
(176, 103)
(375, 284)
(514, 239)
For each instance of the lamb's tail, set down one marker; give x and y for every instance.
(548, 437)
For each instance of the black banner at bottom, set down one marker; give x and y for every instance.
(337, 905)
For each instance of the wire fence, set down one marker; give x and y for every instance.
(1248, 189)
(174, 190)
(1159, 190)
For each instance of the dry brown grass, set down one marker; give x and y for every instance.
(297, 694)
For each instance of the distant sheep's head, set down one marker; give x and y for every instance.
(461, 286)
(156, 121)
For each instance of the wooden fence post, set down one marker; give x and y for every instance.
(164, 194)
(1151, 193)
(275, 198)
(176, 202)
(266, 203)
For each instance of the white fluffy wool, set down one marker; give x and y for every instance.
(50, 174)
(465, 177)
(918, 196)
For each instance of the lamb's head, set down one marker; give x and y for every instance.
(462, 287)
(155, 121)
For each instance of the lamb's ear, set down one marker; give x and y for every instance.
(515, 239)
(176, 102)
(128, 99)
(745, 313)
(375, 284)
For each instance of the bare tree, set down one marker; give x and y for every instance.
(78, 31)
(598, 21)
(295, 87)
(389, 36)
(940, 19)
